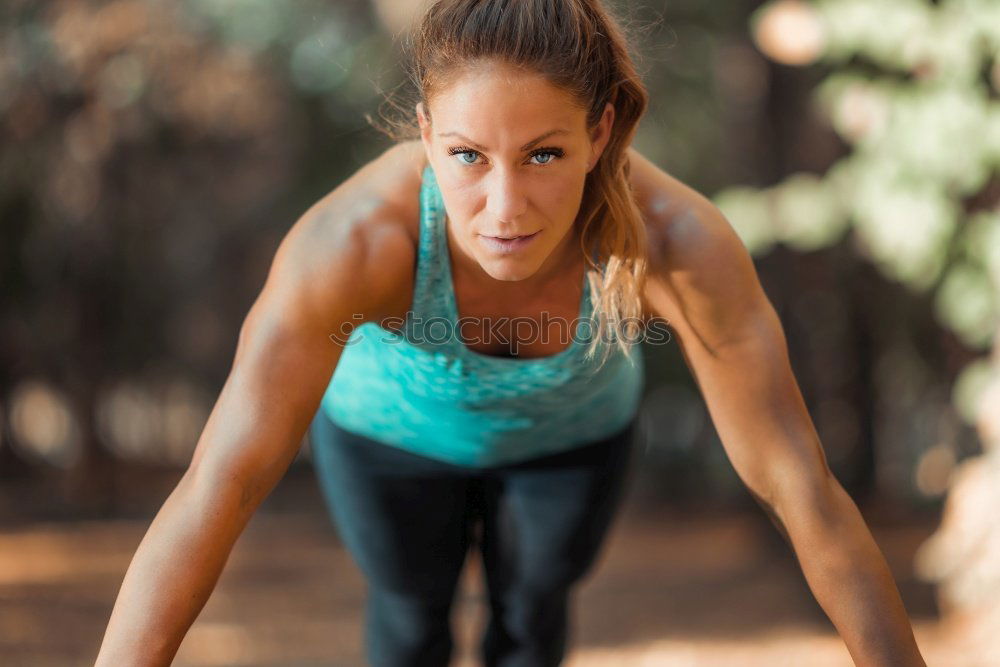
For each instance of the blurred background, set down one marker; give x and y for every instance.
(153, 155)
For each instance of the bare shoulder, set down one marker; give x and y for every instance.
(679, 219)
(383, 191)
(358, 243)
(701, 275)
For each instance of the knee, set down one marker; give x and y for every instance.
(533, 618)
(410, 610)
(535, 601)
(408, 630)
(553, 574)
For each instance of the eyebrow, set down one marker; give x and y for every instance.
(525, 147)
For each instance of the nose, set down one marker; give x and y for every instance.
(505, 197)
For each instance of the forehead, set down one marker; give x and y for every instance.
(495, 99)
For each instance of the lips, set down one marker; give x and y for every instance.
(509, 238)
(497, 244)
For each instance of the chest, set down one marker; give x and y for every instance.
(539, 326)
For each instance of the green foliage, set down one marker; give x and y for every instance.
(913, 90)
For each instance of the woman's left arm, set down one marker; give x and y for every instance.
(703, 282)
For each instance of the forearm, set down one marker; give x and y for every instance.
(851, 580)
(172, 575)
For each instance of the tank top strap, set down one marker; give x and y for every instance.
(429, 287)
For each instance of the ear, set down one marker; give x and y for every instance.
(424, 120)
(600, 135)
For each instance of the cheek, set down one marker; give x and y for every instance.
(460, 197)
(561, 200)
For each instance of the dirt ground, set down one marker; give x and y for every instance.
(671, 588)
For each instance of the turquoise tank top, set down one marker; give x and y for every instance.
(425, 391)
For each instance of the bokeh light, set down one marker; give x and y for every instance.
(933, 471)
(43, 425)
(790, 32)
(157, 420)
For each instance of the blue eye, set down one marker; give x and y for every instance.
(462, 150)
(542, 156)
(547, 155)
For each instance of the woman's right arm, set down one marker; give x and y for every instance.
(324, 273)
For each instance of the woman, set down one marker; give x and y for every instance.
(450, 284)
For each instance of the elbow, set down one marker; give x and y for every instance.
(815, 509)
(207, 495)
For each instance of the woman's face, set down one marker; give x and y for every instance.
(511, 152)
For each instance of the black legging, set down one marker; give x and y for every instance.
(409, 520)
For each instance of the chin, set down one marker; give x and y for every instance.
(508, 270)
(508, 274)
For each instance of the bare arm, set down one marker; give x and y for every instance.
(284, 360)
(704, 283)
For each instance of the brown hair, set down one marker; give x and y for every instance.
(576, 45)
